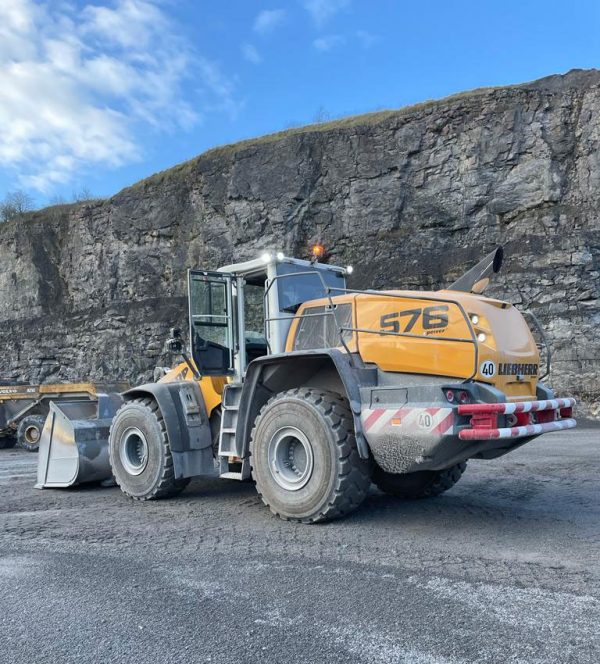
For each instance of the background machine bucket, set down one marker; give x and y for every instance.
(74, 442)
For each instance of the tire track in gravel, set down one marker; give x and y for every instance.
(522, 532)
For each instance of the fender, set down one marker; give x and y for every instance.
(271, 374)
(182, 406)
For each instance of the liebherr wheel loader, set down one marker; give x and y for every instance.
(314, 391)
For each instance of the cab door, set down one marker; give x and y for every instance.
(212, 331)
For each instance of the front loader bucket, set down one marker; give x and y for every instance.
(74, 442)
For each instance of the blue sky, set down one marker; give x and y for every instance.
(97, 94)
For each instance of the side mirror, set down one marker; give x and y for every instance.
(175, 342)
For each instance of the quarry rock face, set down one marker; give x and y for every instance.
(410, 198)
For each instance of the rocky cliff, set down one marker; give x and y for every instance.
(409, 197)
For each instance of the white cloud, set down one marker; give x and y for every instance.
(269, 19)
(367, 39)
(131, 24)
(323, 10)
(251, 54)
(77, 87)
(328, 42)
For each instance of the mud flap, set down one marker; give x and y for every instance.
(74, 442)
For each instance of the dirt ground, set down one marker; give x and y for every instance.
(503, 568)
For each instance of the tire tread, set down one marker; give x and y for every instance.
(167, 485)
(23, 424)
(353, 480)
(433, 485)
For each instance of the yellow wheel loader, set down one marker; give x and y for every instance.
(314, 390)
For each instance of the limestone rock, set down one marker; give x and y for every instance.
(411, 198)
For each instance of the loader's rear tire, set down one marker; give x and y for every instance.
(140, 454)
(6, 442)
(29, 432)
(423, 484)
(304, 457)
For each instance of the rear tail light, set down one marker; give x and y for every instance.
(463, 396)
(450, 395)
(545, 416)
(523, 419)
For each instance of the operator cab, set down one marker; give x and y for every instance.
(255, 302)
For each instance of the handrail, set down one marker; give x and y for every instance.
(326, 288)
(545, 345)
(341, 329)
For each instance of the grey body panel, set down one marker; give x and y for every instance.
(433, 445)
(410, 426)
(327, 368)
(186, 420)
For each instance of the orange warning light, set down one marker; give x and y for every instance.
(318, 251)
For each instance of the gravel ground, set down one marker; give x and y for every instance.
(503, 568)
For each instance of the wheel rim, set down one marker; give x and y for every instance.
(133, 451)
(290, 458)
(32, 434)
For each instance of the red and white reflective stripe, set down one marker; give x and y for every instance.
(516, 432)
(371, 417)
(427, 420)
(515, 407)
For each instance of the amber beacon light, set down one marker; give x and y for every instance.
(317, 251)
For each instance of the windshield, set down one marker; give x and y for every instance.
(294, 291)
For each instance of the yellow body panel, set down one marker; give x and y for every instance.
(433, 333)
(441, 341)
(210, 386)
(430, 333)
(508, 341)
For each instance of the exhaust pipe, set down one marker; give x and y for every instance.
(478, 277)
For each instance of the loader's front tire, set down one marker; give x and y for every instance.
(422, 484)
(29, 432)
(304, 457)
(140, 454)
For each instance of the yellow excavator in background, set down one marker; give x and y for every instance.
(315, 390)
